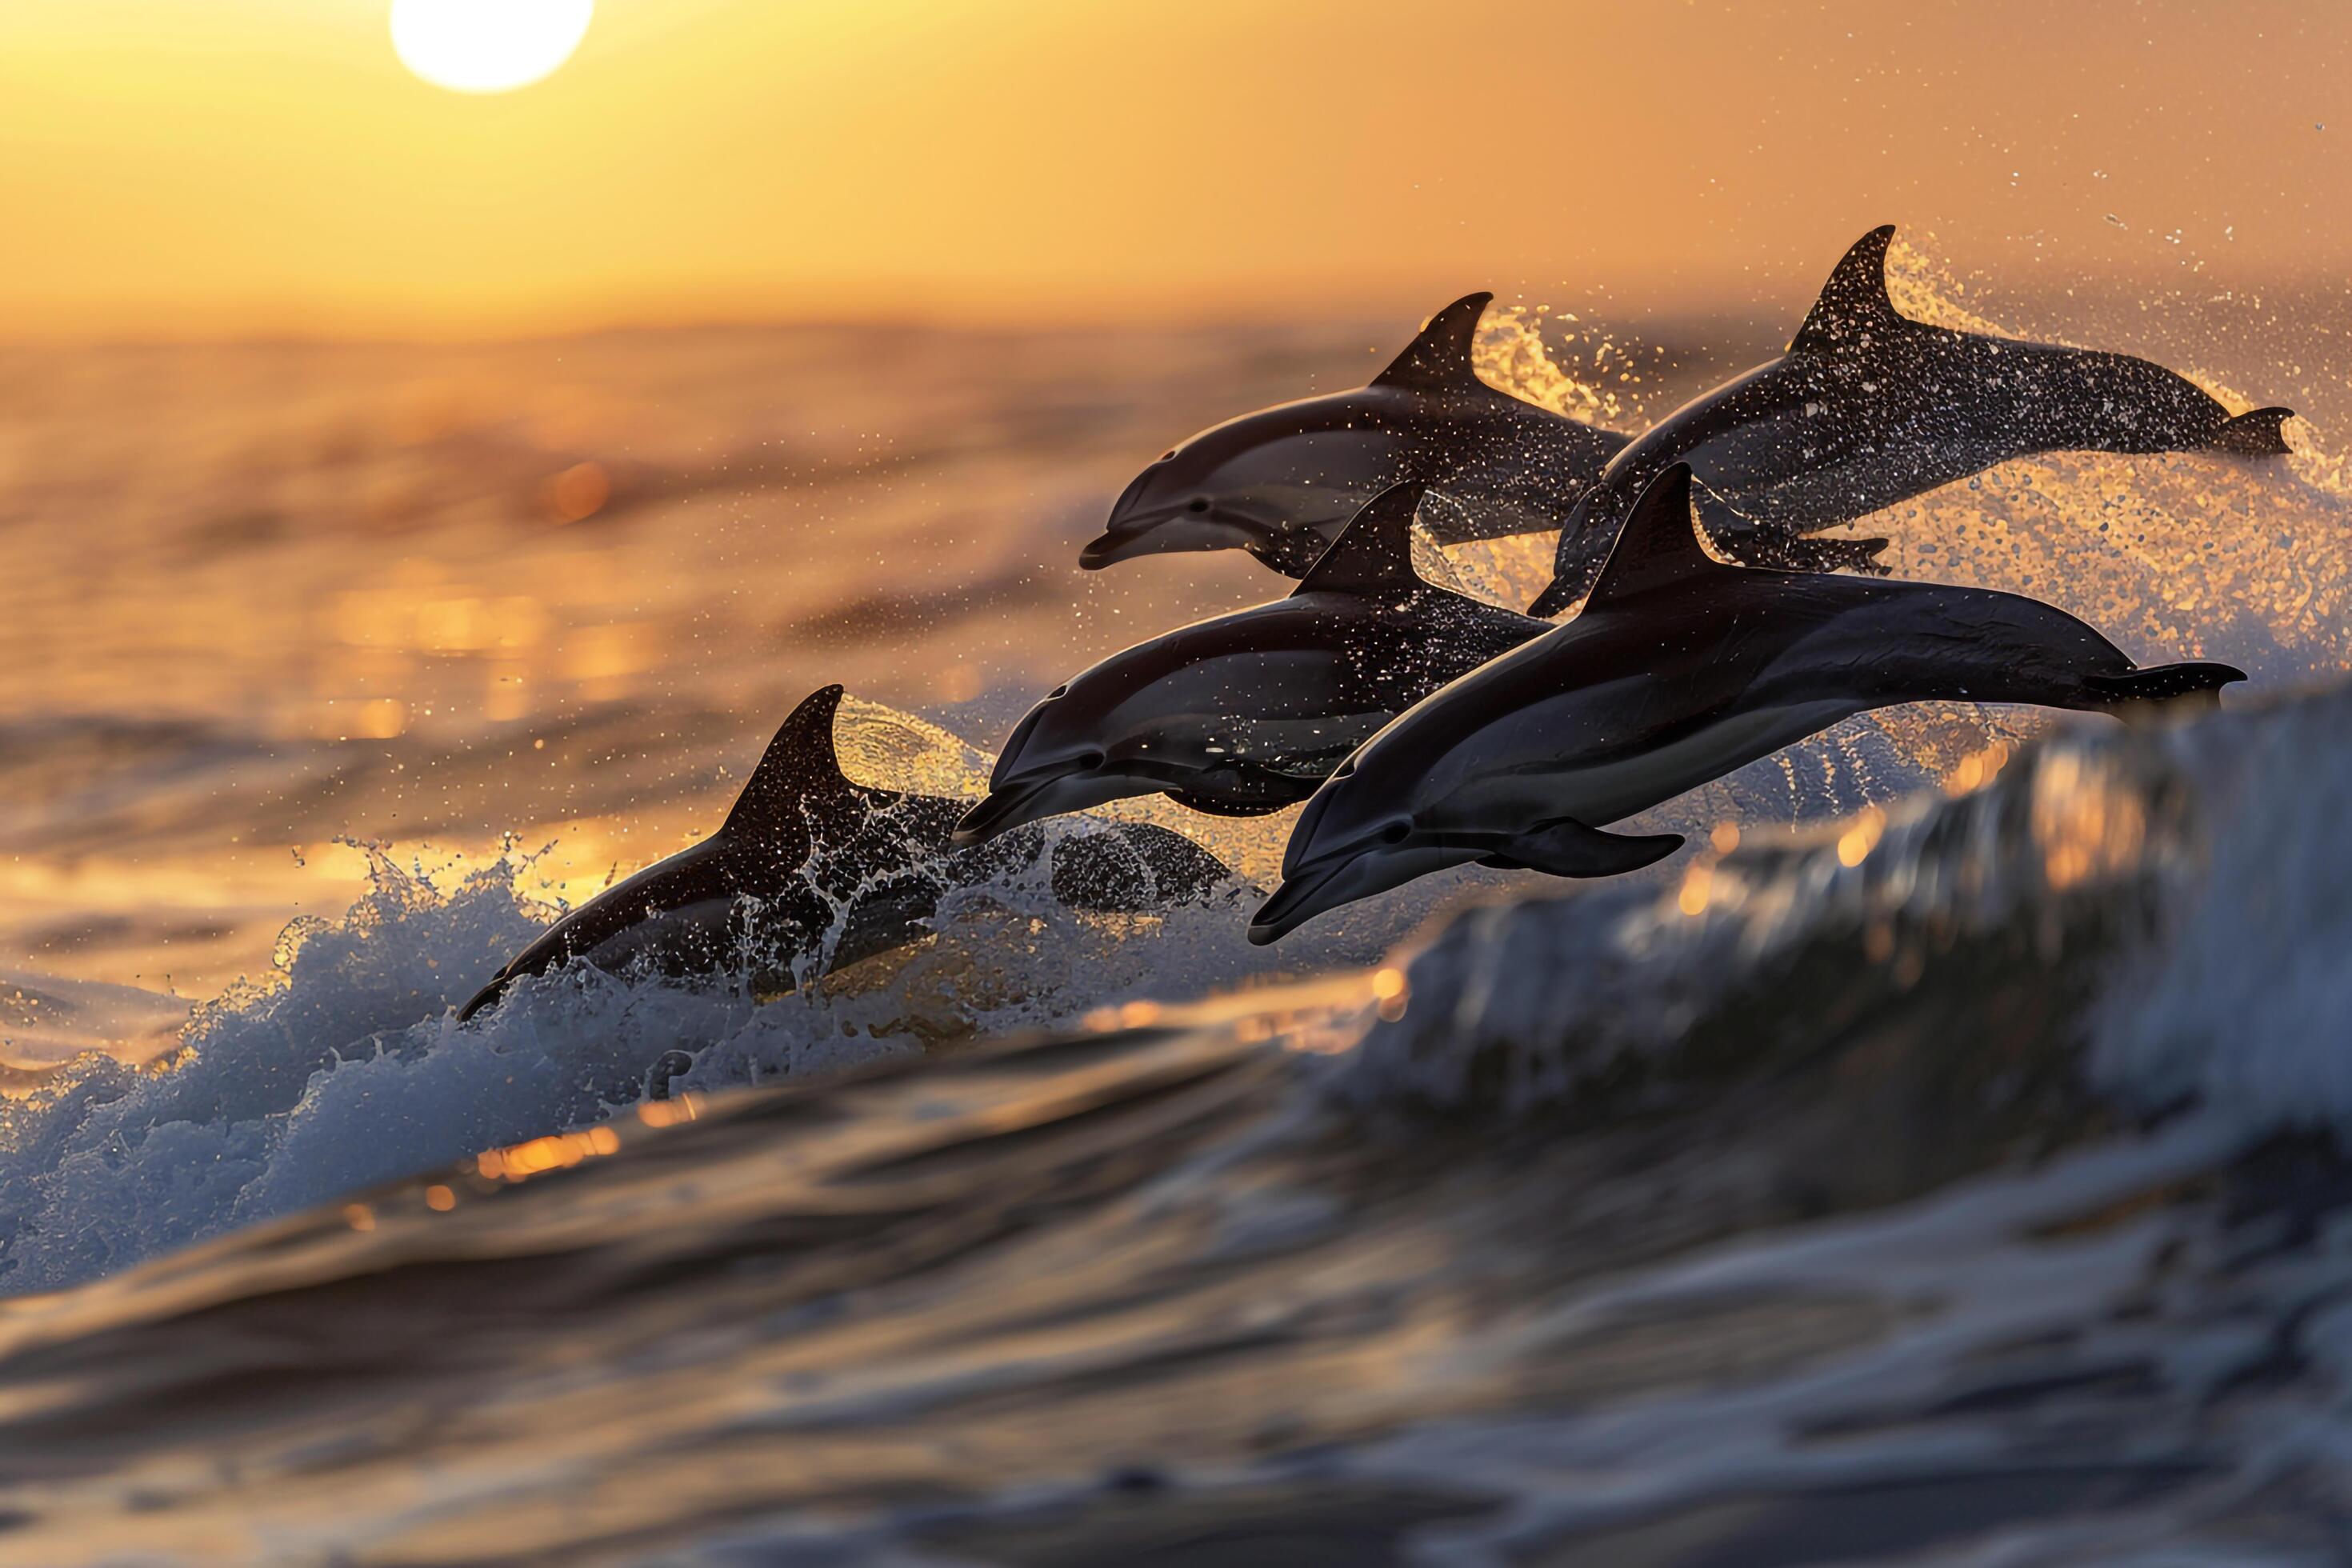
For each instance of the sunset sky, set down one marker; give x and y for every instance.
(197, 167)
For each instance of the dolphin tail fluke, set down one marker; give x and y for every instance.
(2171, 686)
(1779, 552)
(2259, 433)
(1567, 848)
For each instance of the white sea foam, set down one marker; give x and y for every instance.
(348, 1068)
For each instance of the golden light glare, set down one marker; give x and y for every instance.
(487, 45)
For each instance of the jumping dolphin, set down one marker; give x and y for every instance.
(1246, 714)
(805, 850)
(1868, 408)
(1281, 482)
(1679, 670)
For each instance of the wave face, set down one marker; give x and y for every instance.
(1953, 1182)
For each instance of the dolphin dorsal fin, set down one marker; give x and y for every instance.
(1658, 547)
(1854, 302)
(1373, 555)
(1439, 359)
(798, 769)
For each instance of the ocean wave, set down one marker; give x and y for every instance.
(1869, 1183)
(346, 1066)
(2156, 913)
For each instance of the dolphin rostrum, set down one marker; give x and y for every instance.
(1281, 482)
(1247, 712)
(805, 854)
(1679, 670)
(1868, 408)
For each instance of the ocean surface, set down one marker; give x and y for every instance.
(1939, 1161)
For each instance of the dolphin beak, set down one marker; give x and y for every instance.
(1113, 546)
(1121, 529)
(1129, 530)
(1168, 532)
(1004, 810)
(1040, 795)
(1294, 903)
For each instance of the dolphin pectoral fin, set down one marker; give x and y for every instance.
(1781, 553)
(1558, 595)
(2260, 433)
(1000, 812)
(1133, 867)
(2171, 686)
(1567, 848)
(891, 915)
(1217, 805)
(1855, 555)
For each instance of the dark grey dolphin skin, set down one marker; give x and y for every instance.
(1246, 714)
(1679, 670)
(805, 850)
(1281, 482)
(1868, 408)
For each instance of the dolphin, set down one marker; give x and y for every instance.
(1247, 712)
(1281, 483)
(804, 852)
(1868, 408)
(1679, 670)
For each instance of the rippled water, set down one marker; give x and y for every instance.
(1938, 1162)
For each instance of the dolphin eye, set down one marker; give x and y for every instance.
(1057, 691)
(1198, 504)
(1396, 832)
(1168, 454)
(1090, 761)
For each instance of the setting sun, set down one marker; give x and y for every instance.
(487, 45)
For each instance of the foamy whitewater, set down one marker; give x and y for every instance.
(1940, 1162)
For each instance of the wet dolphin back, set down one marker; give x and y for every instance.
(1869, 408)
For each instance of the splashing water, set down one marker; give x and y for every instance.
(2177, 556)
(345, 1068)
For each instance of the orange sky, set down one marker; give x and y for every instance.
(191, 167)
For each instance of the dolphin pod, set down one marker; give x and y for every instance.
(1678, 670)
(1426, 730)
(804, 851)
(1248, 712)
(1281, 483)
(1868, 408)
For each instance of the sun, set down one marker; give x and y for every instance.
(487, 45)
